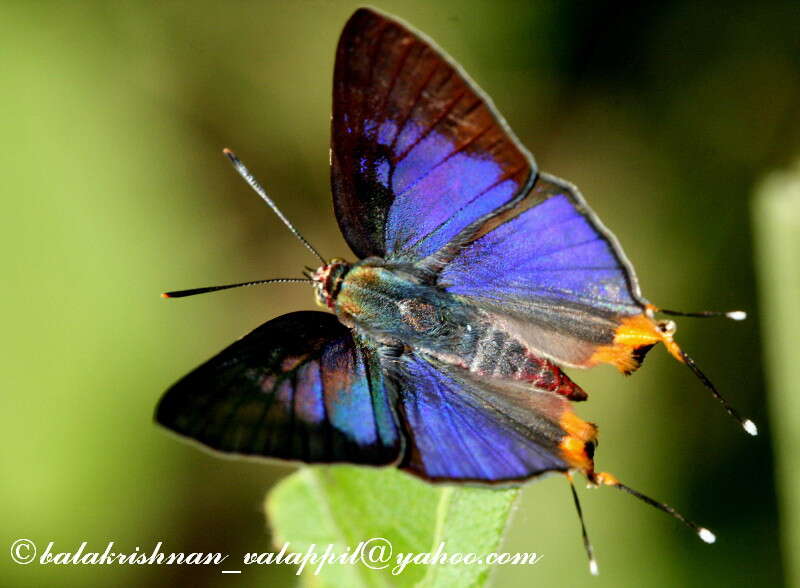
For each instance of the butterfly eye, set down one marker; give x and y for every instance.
(319, 295)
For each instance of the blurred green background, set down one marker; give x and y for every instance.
(114, 189)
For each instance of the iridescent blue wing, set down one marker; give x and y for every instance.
(551, 274)
(298, 387)
(489, 431)
(418, 151)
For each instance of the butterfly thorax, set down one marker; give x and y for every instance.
(395, 306)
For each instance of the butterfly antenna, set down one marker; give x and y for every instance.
(587, 545)
(605, 479)
(255, 185)
(736, 315)
(193, 291)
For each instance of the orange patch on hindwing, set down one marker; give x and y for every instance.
(632, 338)
(577, 446)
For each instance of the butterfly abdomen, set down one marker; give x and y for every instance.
(496, 353)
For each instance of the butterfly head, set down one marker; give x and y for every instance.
(328, 280)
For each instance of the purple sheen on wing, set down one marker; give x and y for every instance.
(458, 439)
(386, 132)
(348, 402)
(284, 394)
(438, 191)
(308, 403)
(550, 250)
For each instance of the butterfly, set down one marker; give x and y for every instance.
(478, 279)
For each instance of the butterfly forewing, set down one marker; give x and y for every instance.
(299, 387)
(418, 152)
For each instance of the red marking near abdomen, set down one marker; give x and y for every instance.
(545, 375)
(500, 355)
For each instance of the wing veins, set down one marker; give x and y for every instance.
(434, 123)
(357, 353)
(458, 438)
(394, 77)
(506, 176)
(414, 103)
(363, 103)
(229, 419)
(447, 158)
(566, 248)
(546, 289)
(579, 268)
(254, 435)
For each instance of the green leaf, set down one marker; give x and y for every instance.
(345, 505)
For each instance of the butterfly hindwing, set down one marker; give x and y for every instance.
(491, 430)
(418, 152)
(299, 387)
(551, 274)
